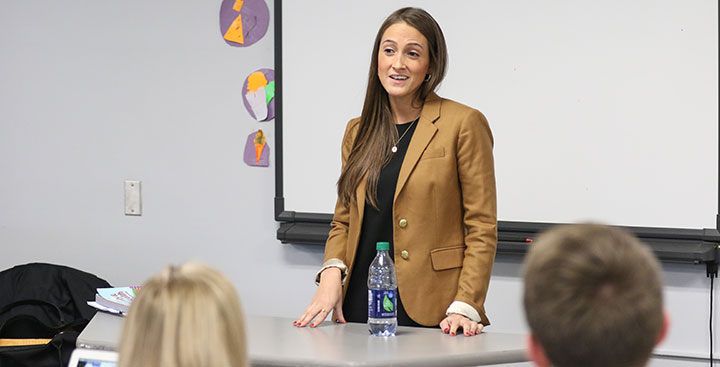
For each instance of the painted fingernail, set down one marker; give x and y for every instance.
(312, 325)
(446, 330)
(453, 333)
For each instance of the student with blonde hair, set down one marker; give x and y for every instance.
(184, 316)
(593, 298)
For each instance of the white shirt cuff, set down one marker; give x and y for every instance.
(332, 263)
(464, 309)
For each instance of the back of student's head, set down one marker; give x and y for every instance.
(184, 316)
(593, 297)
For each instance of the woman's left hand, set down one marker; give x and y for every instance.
(455, 321)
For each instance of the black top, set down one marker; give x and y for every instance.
(377, 226)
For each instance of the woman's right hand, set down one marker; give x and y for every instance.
(327, 297)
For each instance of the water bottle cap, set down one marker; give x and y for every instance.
(382, 246)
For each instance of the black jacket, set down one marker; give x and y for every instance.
(44, 301)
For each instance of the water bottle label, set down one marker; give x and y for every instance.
(382, 303)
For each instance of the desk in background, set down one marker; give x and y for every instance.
(274, 341)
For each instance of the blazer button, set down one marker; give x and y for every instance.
(402, 223)
(404, 254)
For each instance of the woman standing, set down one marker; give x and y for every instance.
(417, 172)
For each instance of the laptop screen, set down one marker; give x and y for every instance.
(95, 363)
(93, 358)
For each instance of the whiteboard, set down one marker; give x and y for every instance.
(604, 111)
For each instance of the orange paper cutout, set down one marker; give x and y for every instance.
(235, 32)
(259, 145)
(238, 5)
(256, 80)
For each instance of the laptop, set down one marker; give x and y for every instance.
(93, 358)
(103, 332)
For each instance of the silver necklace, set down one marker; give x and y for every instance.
(394, 147)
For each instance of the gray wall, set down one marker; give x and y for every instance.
(94, 93)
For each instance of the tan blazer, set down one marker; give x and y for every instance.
(445, 213)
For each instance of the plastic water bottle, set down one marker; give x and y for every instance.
(382, 293)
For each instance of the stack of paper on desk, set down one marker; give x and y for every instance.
(114, 300)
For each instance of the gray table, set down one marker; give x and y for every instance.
(274, 341)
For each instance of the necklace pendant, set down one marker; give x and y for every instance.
(393, 149)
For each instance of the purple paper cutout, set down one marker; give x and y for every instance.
(249, 155)
(255, 17)
(270, 76)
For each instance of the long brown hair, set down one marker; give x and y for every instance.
(376, 130)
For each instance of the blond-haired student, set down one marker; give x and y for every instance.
(188, 315)
(593, 297)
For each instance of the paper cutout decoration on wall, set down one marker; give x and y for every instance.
(243, 22)
(259, 94)
(257, 151)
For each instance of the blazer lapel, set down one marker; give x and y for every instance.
(424, 132)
